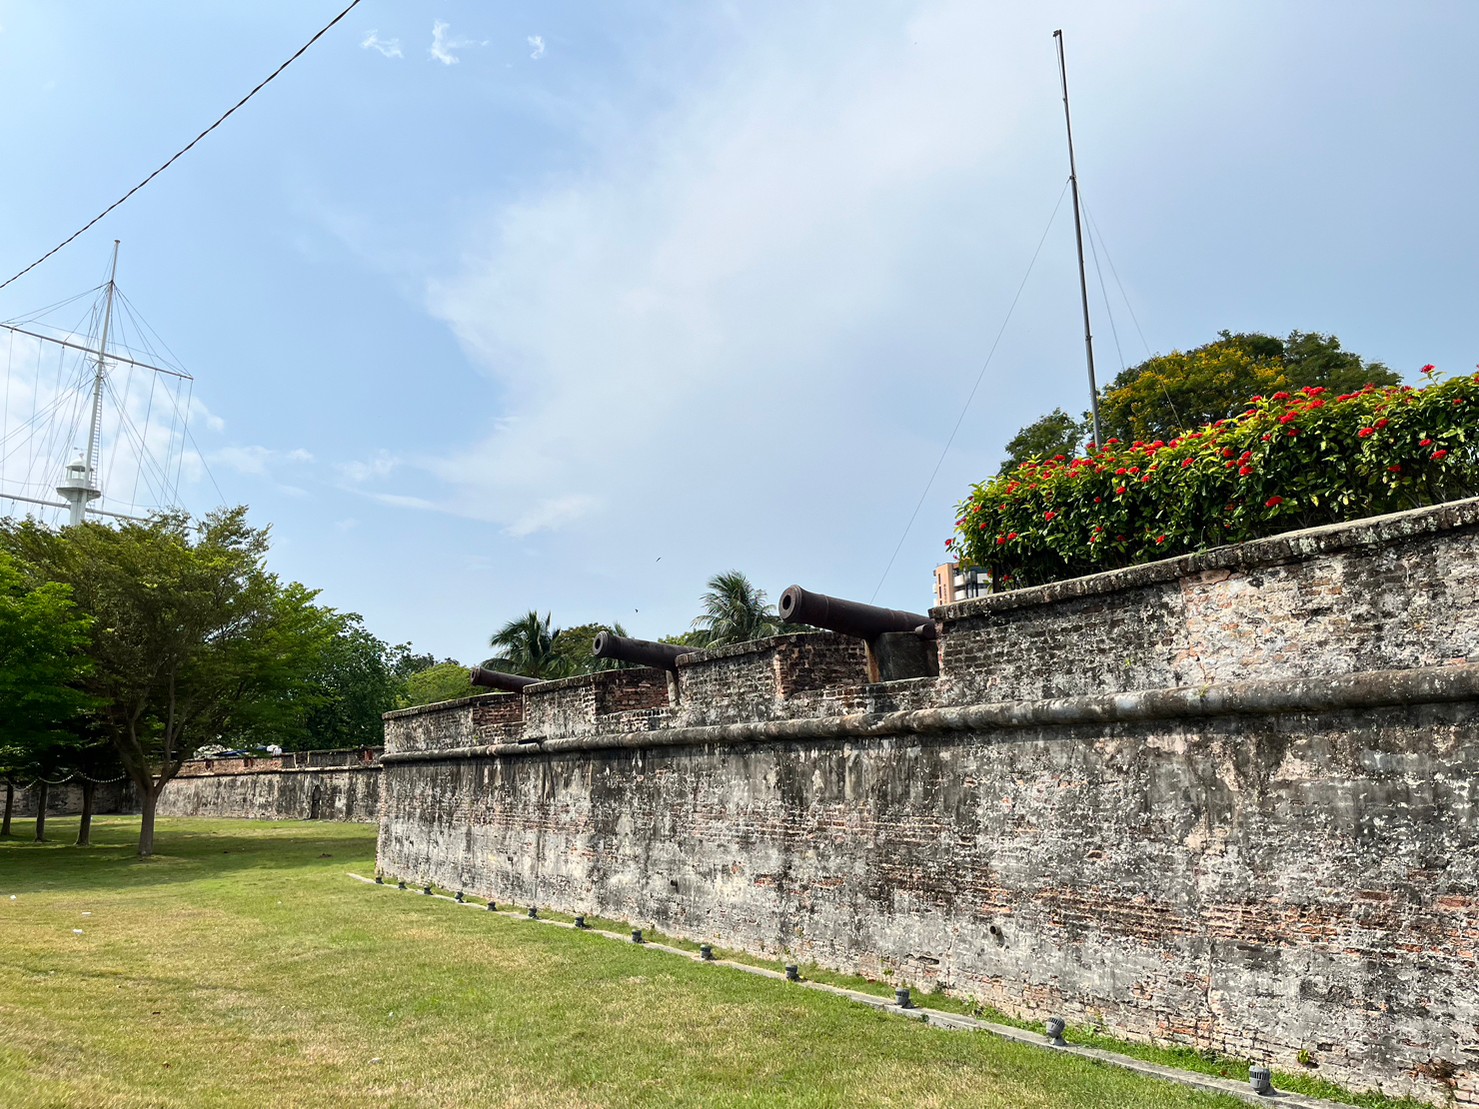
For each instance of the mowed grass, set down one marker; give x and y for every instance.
(240, 967)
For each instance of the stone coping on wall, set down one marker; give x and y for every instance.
(754, 647)
(1426, 685)
(337, 758)
(1285, 547)
(236, 772)
(443, 706)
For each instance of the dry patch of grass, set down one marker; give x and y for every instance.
(244, 969)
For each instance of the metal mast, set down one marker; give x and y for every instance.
(81, 484)
(1078, 233)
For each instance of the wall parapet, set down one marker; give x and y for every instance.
(1289, 546)
(1424, 686)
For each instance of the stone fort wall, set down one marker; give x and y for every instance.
(302, 785)
(1227, 800)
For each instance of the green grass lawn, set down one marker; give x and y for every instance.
(240, 967)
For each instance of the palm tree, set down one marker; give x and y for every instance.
(528, 645)
(735, 612)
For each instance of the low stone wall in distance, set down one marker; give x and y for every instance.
(303, 785)
(1225, 800)
(66, 799)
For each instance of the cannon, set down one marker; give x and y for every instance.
(801, 606)
(900, 644)
(641, 652)
(497, 679)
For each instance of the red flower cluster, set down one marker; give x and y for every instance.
(1315, 458)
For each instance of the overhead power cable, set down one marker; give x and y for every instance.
(966, 407)
(186, 148)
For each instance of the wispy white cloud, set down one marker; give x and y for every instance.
(258, 461)
(391, 48)
(537, 42)
(380, 465)
(443, 44)
(551, 514)
(733, 262)
(402, 500)
(199, 414)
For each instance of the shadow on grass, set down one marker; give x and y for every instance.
(186, 850)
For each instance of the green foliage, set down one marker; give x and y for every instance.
(1056, 433)
(527, 644)
(193, 640)
(734, 611)
(350, 683)
(1167, 394)
(43, 638)
(446, 681)
(1284, 462)
(573, 645)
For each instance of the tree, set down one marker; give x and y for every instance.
(43, 638)
(446, 681)
(1171, 393)
(574, 646)
(1053, 434)
(404, 661)
(191, 634)
(735, 611)
(346, 689)
(528, 646)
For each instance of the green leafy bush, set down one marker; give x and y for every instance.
(1290, 461)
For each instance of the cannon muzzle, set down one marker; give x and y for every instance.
(497, 679)
(799, 606)
(641, 652)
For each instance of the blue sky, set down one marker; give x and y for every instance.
(571, 306)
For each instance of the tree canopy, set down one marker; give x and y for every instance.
(1171, 393)
(734, 611)
(43, 641)
(445, 681)
(191, 641)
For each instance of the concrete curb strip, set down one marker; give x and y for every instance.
(936, 1017)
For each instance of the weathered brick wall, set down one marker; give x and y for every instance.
(486, 718)
(306, 785)
(1225, 801)
(1375, 595)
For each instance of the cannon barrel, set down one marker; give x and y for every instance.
(642, 652)
(800, 606)
(497, 679)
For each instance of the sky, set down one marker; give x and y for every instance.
(499, 306)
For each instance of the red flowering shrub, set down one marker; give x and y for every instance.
(1289, 461)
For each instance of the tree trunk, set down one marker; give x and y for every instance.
(9, 807)
(41, 790)
(84, 826)
(148, 799)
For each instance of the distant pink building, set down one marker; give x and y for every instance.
(954, 584)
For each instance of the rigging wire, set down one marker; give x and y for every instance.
(144, 461)
(148, 412)
(5, 420)
(39, 312)
(201, 455)
(971, 395)
(1104, 293)
(1115, 273)
(1093, 233)
(185, 149)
